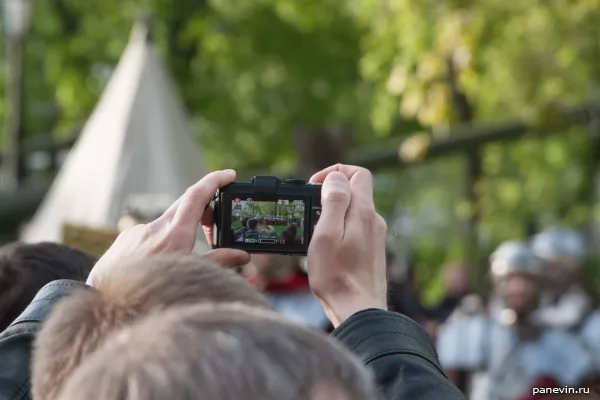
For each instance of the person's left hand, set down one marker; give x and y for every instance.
(174, 231)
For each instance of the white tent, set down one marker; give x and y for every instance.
(137, 141)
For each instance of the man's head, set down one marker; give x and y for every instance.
(521, 292)
(293, 229)
(252, 223)
(517, 274)
(26, 268)
(245, 221)
(563, 252)
(221, 352)
(457, 279)
(80, 323)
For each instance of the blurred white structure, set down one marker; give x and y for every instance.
(137, 142)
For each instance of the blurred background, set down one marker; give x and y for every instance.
(479, 119)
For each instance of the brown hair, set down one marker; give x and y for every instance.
(219, 352)
(81, 322)
(26, 268)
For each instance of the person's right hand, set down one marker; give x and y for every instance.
(173, 232)
(346, 256)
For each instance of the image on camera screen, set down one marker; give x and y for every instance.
(268, 222)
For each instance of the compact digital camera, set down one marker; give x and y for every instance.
(267, 215)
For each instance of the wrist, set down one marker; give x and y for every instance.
(339, 311)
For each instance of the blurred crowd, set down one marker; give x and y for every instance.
(537, 332)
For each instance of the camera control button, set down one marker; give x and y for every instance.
(295, 182)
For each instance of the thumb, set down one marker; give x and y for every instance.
(335, 200)
(229, 257)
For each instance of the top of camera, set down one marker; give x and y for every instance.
(271, 185)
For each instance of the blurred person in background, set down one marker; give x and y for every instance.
(403, 288)
(505, 358)
(285, 284)
(457, 286)
(590, 335)
(241, 231)
(495, 304)
(26, 268)
(567, 305)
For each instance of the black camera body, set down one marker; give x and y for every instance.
(267, 215)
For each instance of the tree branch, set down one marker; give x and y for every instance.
(70, 23)
(463, 138)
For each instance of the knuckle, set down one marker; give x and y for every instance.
(365, 172)
(381, 225)
(337, 196)
(194, 192)
(323, 238)
(140, 230)
(197, 193)
(366, 211)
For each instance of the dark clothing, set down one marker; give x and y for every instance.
(251, 234)
(404, 301)
(444, 308)
(398, 351)
(240, 232)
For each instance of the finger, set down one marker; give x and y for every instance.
(208, 225)
(320, 176)
(335, 201)
(193, 203)
(170, 213)
(361, 184)
(229, 257)
(361, 181)
(362, 206)
(351, 172)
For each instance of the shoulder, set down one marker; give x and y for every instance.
(47, 298)
(375, 332)
(462, 343)
(566, 354)
(471, 305)
(591, 327)
(551, 337)
(560, 343)
(590, 336)
(16, 346)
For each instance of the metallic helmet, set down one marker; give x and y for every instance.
(562, 246)
(514, 257)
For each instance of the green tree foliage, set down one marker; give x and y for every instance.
(250, 72)
(509, 60)
(443, 62)
(272, 209)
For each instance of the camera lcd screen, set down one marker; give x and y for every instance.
(268, 222)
